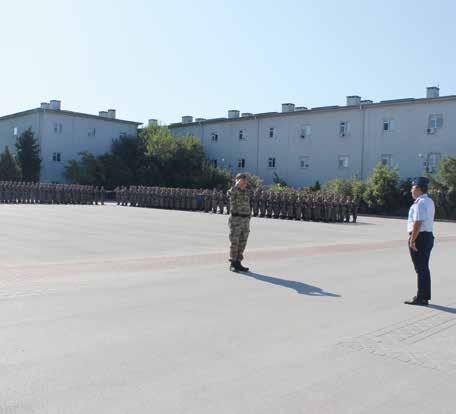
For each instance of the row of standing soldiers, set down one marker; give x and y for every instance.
(16, 192)
(290, 204)
(172, 198)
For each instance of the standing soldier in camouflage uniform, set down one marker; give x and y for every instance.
(354, 209)
(239, 222)
(195, 200)
(291, 206)
(345, 210)
(268, 203)
(255, 203)
(334, 209)
(298, 206)
(261, 203)
(214, 201)
(220, 201)
(207, 201)
(226, 202)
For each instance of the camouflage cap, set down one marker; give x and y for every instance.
(241, 176)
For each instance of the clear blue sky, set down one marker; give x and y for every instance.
(165, 59)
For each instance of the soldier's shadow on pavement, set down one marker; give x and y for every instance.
(299, 287)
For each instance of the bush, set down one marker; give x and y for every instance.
(353, 188)
(212, 177)
(88, 171)
(443, 189)
(255, 182)
(279, 181)
(316, 187)
(278, 188)
(382, 194)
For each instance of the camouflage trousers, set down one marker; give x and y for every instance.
(239, 233)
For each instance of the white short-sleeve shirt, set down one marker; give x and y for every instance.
(423, 210)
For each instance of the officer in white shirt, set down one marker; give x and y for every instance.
(420, 227)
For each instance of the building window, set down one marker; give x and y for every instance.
(435, 122)
(92, 132)
(306, 130)
(242, 135)
(387, 159)
(214, 137)
(57, 157)
(271, 132)
(213, 163)
(304, 163)
(344, 128)
(388, 125)
(241, 163)
(15, 131)
(434, 161)
(344, 161)
(271, 162)
(123, 135)
(58, 128)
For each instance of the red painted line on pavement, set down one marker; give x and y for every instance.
(169, 262)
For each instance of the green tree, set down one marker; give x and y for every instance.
(28, 156)
(279, 180)
(212, 177)
(405, 189)
(154, 158)
(89, 170)
(278, 188)
(115, 172)
(316, 187)
(443, 189)
(382, 193)
(130, 156)
(352, 187)
(447, 172)
(9, 168)
(255, 182)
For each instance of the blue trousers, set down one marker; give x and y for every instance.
(424, 244)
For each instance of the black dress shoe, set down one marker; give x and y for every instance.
(417, 301)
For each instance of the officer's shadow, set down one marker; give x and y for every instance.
(301, 288)
(447, 309)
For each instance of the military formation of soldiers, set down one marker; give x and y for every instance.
(289, 204)
(173, 198)
(15, 192)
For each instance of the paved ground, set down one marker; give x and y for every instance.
(122, 310)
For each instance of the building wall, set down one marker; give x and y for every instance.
(74, 138)
(409, 137)
(365, 143)
(22, 123)
(69, 141)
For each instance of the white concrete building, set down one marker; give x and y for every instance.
(64, 134)
(304, 145)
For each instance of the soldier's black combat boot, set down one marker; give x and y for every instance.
(242, 268)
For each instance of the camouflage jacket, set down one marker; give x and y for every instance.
(239, 201)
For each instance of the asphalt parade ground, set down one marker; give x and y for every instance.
(107, 309)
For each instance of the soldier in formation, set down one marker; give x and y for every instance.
(289, 204)
(17, 192)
